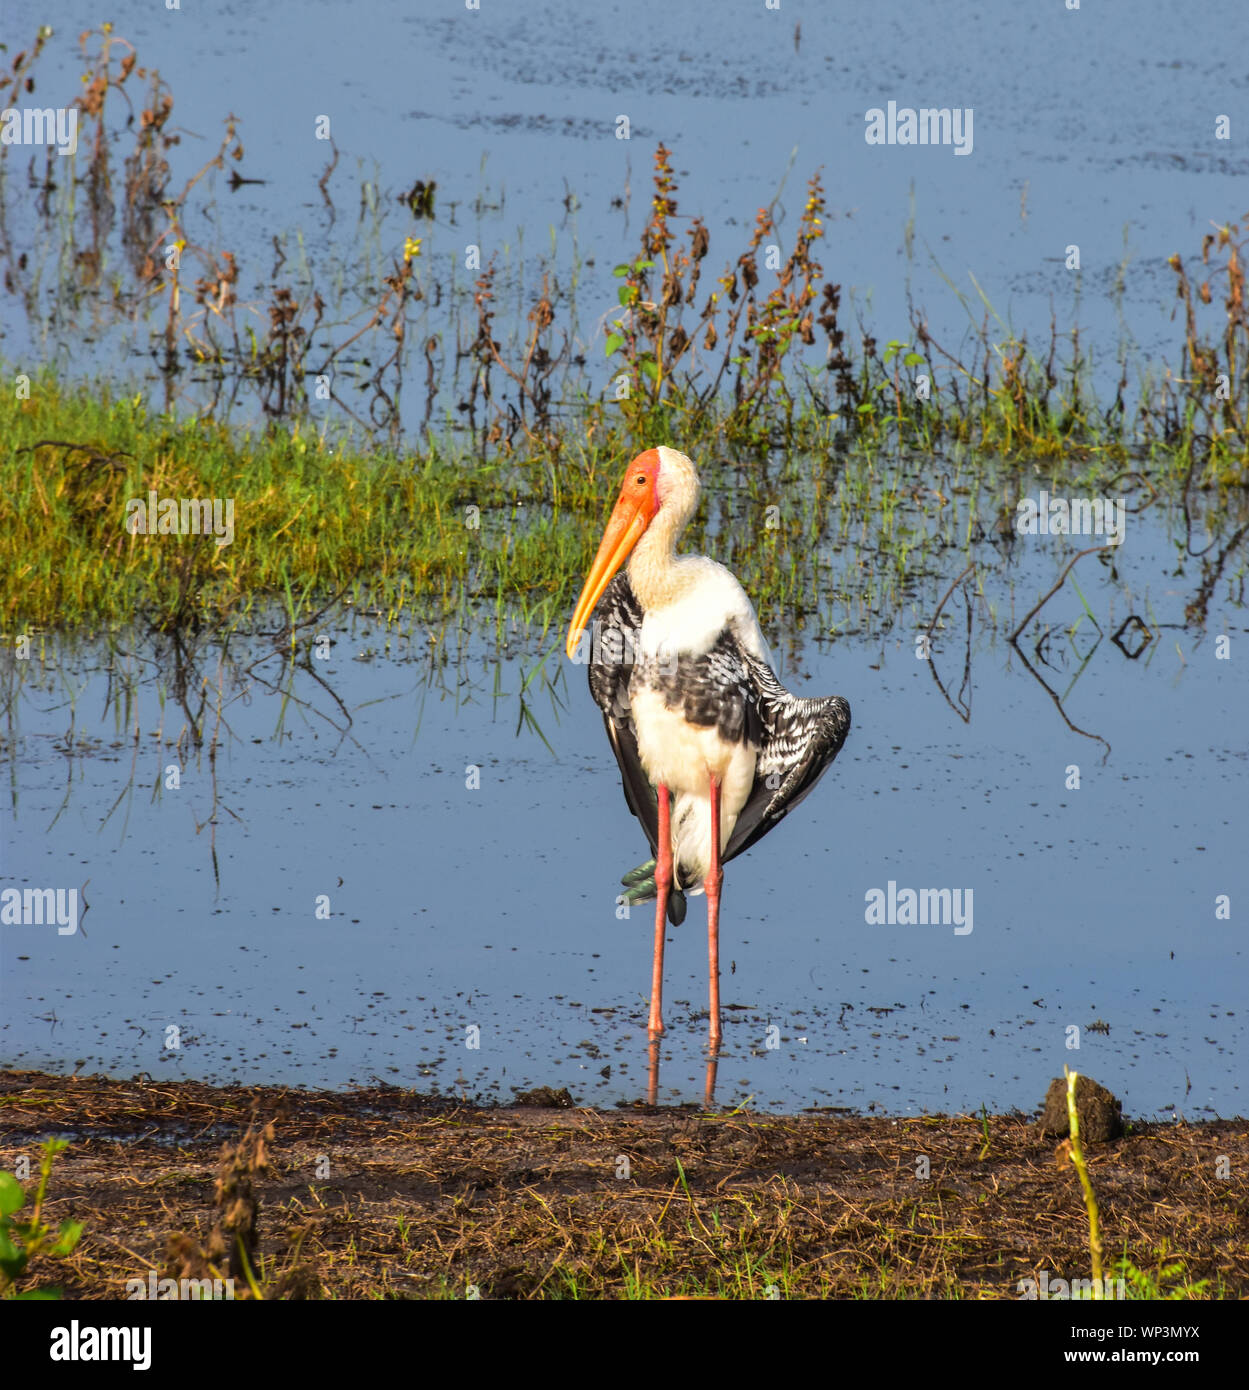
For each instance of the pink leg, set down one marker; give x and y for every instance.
(715, 877)
(663, 882)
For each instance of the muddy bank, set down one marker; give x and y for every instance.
(384, 1193)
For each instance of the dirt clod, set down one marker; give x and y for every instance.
(545, 1096)
(1100, 1114)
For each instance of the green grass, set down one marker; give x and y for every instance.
(844, 461)
(844, 534)
(311, 521)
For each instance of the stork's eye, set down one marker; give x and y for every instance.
(640, 480)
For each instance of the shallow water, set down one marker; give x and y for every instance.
(1087, 131)
(492, 906)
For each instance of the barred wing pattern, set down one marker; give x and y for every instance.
(795, 739)
(799, 740)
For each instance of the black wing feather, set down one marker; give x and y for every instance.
(618, 611)
(800, 739)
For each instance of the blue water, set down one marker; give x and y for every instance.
(487, 898)
(456, 906)
(1093, 128)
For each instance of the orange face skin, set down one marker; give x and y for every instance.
(634, 511)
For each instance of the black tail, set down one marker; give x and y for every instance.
(640, 888)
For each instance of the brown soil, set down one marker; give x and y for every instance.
(419, 1198)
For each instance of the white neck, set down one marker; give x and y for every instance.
(654, 573)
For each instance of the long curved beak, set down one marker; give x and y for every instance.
(626, 526)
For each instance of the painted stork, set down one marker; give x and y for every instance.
(713, 750)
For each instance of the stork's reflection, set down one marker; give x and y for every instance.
(652, 1076)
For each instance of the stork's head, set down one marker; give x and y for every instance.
(660, 489)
